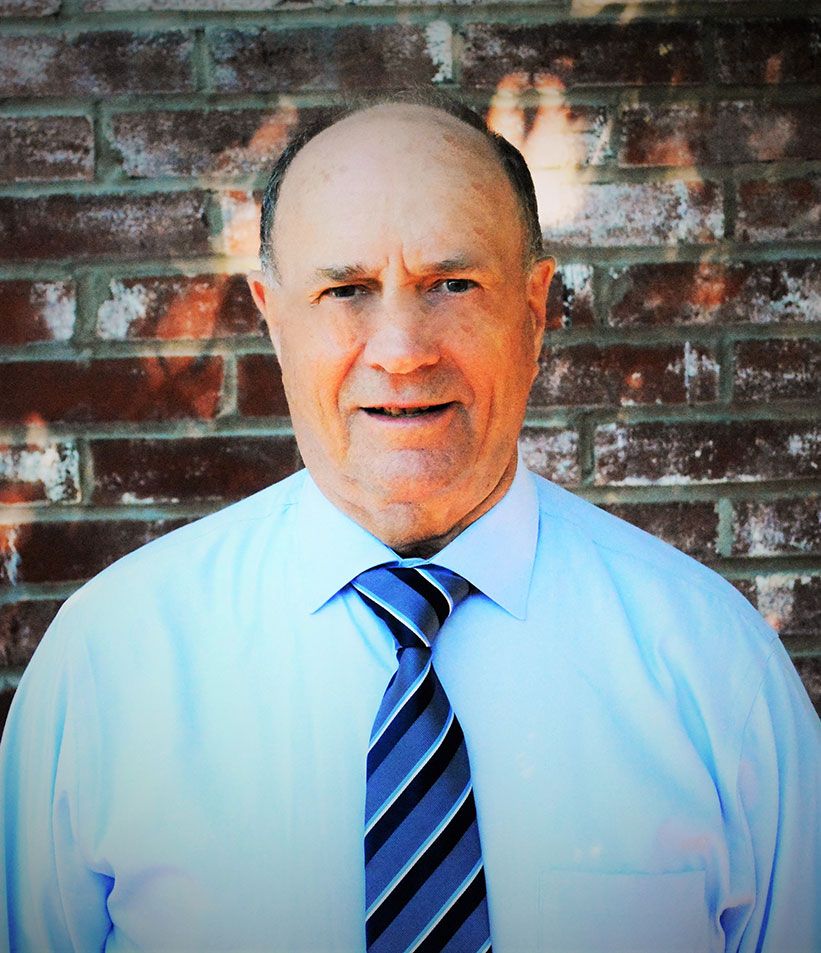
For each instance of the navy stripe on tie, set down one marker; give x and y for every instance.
(414, 791)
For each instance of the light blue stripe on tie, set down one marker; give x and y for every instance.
(463, 886)
(431, 838)
(400, 704)
(412, 773)
(435, 582)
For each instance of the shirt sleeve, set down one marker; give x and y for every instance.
(779, 792)
(51, 898)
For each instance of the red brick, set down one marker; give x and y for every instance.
(36, 311)
(770, 211)
(105, 63)
(809, 669)
(551, 452)
(570, 299)
(777, 370)
(213, 143)
(22, 625)
(321, 58)
(767, 51)
(684, 453)
(623, 374)
(70, 551)
(117, 226)
(690, 527)
(43, 148)
(259, 386)
(131, 389)
(178, 307)
(685, 134)
(552, 134)
(627, 213)
(574, 54)
(39, 473)
(170, 471)
(29, 8)
(777, 527)
(676, 293)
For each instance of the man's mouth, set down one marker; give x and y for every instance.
(393, 411)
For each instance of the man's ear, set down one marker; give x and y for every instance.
(538, 285)
(264, 296)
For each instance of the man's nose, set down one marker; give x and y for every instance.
(401, 337)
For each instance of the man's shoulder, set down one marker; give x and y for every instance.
(180, 554)
(629, 554)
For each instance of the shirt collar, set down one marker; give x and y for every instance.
(495, 553)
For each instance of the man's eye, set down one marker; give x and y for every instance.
(343, 291)
(455, 286)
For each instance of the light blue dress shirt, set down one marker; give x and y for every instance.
(184, 764)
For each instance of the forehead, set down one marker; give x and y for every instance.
(390, 176)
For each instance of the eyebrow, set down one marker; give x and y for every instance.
(358, 272)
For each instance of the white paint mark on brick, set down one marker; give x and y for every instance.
(11, 556)
(55, 466)
(56, 302)
(439, 45)
(776, 598)
(126, 305)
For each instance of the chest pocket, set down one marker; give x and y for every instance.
(582, 912)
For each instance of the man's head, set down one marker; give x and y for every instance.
(407, 309)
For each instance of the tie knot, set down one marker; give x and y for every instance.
(414, 602)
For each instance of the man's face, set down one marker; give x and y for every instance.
(405, 321)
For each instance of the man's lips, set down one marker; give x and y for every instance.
(401, 411)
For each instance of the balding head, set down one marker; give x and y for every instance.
(452, 133)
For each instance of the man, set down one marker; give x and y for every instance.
(187, 765)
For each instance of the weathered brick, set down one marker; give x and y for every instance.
(767, 51)
(40, 473)
(575, 54)
(627, 213)
(44, 148)
(259, 386)
(552, 135)
(117, 226)
(570, 298)
(178, 307)
(218, 142)
(322, 58)
(777, 527)
(686, 134)
(771, 211)
(22, 625)
(189, 469)
(33, 311)
(239, 215)
(29, 8)
(676, 293)
(790, 603)
(690, 527)
(129, 389)
(70, 551)
(683, 453)
(623, 374)
(777, 370)
(551, 452)
(105, 63)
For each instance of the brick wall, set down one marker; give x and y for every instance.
(675, 147)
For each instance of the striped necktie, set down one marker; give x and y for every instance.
(424, 879)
